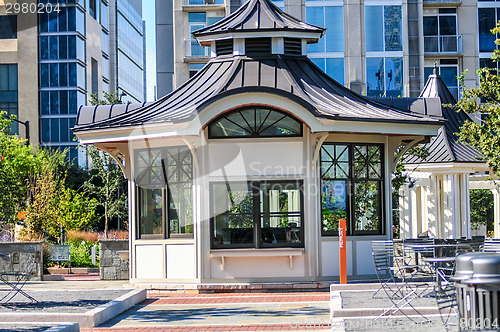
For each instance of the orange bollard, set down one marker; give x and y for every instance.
(342, 251)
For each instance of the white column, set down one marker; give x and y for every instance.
(404, 212)
(413, 199)
(433, 207)
(466, 206)
(496, 222)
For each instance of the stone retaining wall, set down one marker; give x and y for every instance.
(111, 266)
(22, 257)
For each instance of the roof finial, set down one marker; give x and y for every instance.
(435, 71)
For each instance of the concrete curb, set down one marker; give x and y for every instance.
(90, 318)
(374, 312)
(65, 327)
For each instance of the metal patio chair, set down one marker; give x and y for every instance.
(389, 268)
(16, 280)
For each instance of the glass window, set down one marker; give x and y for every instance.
(72, 74)
(63, 47)
(44, 48)
(166, 205)
(63, 74)
(44, 75)
(393, 28)
(374, 28)
(257, 215)
(197, 17)
(105, 42)
(45, 130)
(63, 98)
(316, 16)
(487, 20)
(73, 102)
(54, 102)
(80, 21)
(448, 70)
(351, 188)
(63, 19)
(384, 76)
(151, 202)
(334, 36)
(335, 69)
(104, 15)
(54, 130)
(81, 76)
(8, 27)
(54, 74)
(383, 28)
(44, 103)
(254, 122)
(53, 47)
(71, 13)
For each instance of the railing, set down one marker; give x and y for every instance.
(443, 44)
(203, 2)
(193, 49)
(444, 2)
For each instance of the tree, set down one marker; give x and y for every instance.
(106, 177)
(17, 162)
(481, 208)
(484, 135)
(105, 180)
(50, 204)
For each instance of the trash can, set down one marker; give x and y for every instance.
(465, 293)
(485, 296)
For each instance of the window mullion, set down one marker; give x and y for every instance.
(256, 213)
(351, 183)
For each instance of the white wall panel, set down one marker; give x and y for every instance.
(149, 261)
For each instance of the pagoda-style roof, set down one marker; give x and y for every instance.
(445, 147)
(258, 16)
(292, 77)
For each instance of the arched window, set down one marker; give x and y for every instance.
(254, 122)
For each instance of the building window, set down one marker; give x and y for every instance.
(8, 27)
(384, 76)
(254, 122)
(57, 130)
(487, 18)
(9, 91)
(352, 188)
(164, 179)
(440, 32)
(92, 8)
(94, 67)
(258, 214)
(333, 67)
(194, 68)
(332, 18)
(383, 28)
(448, 70)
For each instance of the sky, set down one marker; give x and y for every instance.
(148, 14)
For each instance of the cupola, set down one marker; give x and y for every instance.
(259, 28)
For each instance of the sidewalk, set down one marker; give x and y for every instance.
(225, 312)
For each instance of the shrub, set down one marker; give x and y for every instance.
(114, 235)
(79, 236)
(81, 254)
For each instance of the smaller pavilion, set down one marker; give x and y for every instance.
(242, 173)
(438, 201)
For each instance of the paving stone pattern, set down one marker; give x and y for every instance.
(224, 312)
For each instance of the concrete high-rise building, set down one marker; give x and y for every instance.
(18, 69)
(376, 48)
(83, 48)
(91, 46)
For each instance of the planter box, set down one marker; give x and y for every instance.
(76, 270)
(113, 260)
